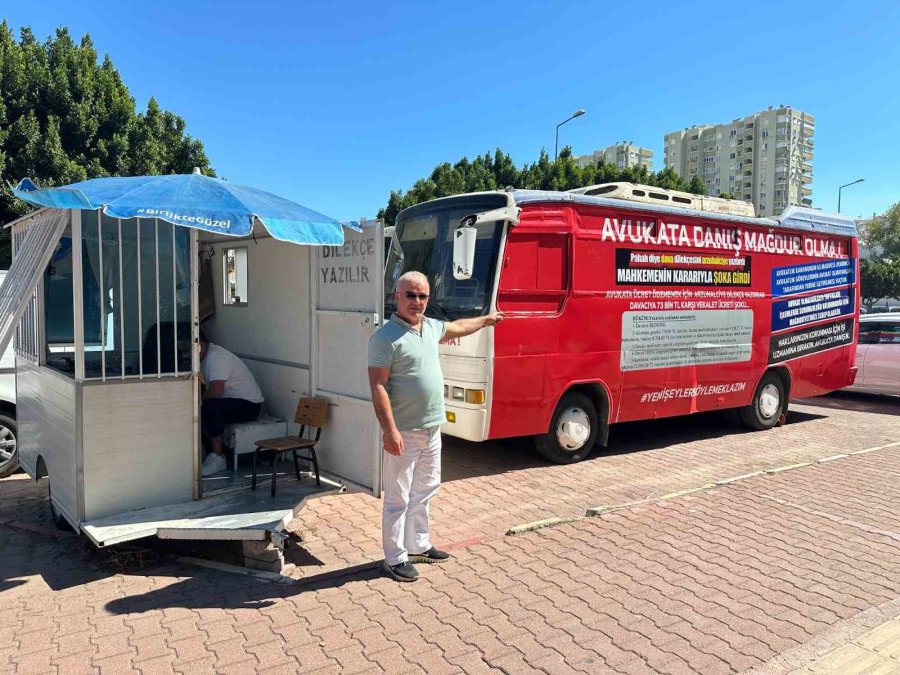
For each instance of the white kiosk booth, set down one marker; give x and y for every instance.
(106, 314)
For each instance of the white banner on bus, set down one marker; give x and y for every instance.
(685, 338)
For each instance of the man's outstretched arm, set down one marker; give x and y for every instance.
(463, 327)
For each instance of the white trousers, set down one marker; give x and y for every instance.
(410, 481)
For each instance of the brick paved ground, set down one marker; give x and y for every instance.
(716, 581)
(490, 487)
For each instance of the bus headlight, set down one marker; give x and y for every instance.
(475, 396)
(459, 394)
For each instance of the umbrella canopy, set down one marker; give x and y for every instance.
(191, 200)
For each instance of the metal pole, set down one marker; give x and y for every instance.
(578, 113)
(140, 312)
(195, 363)
(121, 304)
(158, 342)
(174, 302)
(78, 295)
(102, 299)
(858, 180)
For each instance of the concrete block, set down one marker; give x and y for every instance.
(263, 555)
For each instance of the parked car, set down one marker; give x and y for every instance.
(878, 354)
(9, 457)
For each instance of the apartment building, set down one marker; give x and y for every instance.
(764, 158)
(622, 155)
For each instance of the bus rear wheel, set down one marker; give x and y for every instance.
(768, 404)
(572, 432)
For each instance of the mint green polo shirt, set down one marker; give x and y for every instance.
(416, 385)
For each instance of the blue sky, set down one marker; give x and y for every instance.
(336, 104)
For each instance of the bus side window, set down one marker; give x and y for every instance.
(535, 275)
(553, 254)
(590, 261)
(519, 271)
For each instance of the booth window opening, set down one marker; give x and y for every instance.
(136, 299)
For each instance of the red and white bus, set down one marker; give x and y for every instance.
(636, 304)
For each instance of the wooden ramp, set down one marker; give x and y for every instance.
(240, 515)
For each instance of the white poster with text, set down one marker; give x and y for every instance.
(685, 338)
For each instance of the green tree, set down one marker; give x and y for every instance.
(497, 172)
(66, 116)
(669, 179)
(697, 186)
(882, 234)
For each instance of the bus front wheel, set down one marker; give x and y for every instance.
(768, 404)
(572, 432)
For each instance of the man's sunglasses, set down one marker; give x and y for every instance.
(422, 297)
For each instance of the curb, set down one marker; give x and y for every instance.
(541, 524)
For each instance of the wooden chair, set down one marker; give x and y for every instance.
(312, 413)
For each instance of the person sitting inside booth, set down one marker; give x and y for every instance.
(230, 396)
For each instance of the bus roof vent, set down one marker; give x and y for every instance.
(800, 217)
(675, 198)
(596, 190)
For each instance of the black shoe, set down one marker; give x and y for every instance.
(402, 572)
(432, 555)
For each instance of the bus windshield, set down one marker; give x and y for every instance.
(423, 241)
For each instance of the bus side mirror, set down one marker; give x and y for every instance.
(464, 251)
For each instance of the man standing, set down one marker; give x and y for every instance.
(408, 395)
(231, 395)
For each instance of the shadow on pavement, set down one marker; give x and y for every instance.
(60, 562)
(30, 546)
(465, 459)
(857, 401)
(207, 590)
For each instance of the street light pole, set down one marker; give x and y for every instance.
(858, 180)
(578, 113)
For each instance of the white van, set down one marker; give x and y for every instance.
(9, 458)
